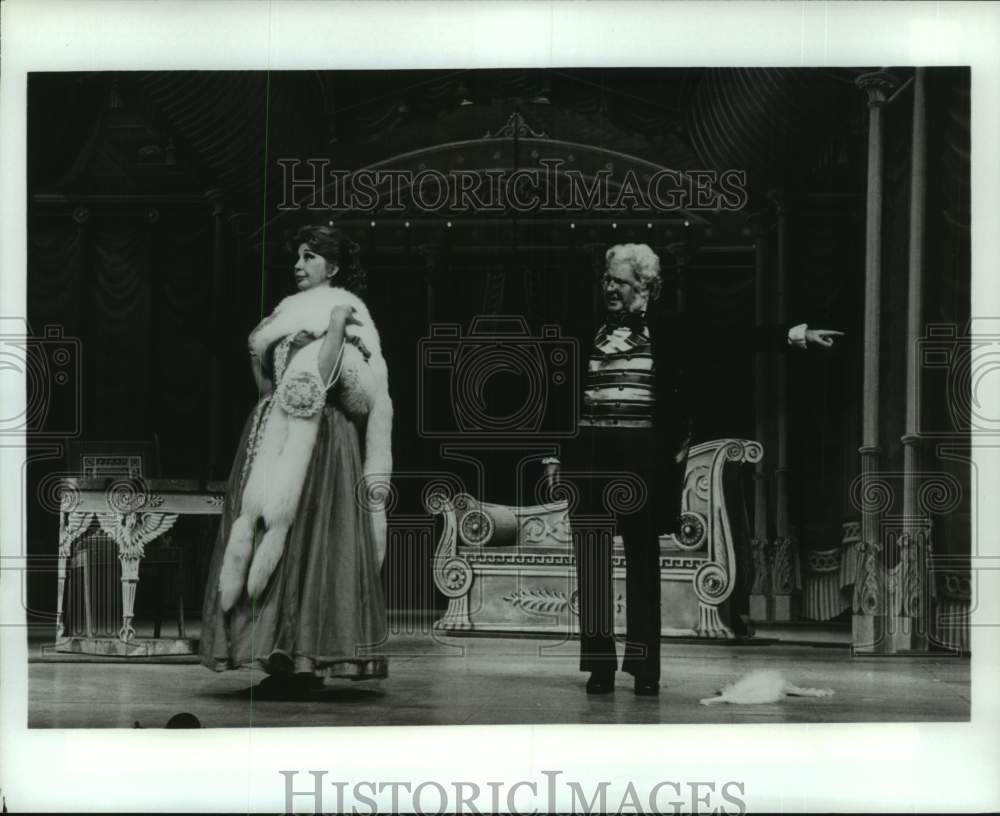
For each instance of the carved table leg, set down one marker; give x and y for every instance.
(131, 532)
(130, 583)
(60, 591)
(181, 628)
(72, 525)
(88, 608)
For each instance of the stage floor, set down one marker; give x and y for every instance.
(437, 680)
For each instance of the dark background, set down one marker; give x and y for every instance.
(155, 240)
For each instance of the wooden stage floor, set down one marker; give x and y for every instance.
(438, 680)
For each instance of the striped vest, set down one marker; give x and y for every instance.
(619, 387)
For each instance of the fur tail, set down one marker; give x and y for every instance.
(268, 554)
(798, 691)
(378, 466)
(274, 429)
(380, 532)
(756, 687)
(236, 562)
(286, 477)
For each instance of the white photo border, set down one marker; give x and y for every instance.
(821, 767)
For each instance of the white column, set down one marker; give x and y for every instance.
(784, 567)
(869, 619)
(911, 631)
(760, 592)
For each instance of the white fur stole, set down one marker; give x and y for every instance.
(287, 436)
(762, 686)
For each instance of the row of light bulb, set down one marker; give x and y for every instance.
(614, 225)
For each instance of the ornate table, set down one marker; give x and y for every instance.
(132, 512)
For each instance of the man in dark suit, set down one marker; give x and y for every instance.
(634, 432)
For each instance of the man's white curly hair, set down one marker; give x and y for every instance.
(644, 263)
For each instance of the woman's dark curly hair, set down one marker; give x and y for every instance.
(336, 248)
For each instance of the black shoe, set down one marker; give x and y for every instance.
(646, 688)
(601, 683)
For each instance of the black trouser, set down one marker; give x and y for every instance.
(600, 454)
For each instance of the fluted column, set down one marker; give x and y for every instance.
(784, 568)
(596, 254)
(911, 630)
(870, 602)
(431, 255)
(760, 600)
(681, 251)
(216, 344)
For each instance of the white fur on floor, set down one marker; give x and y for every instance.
(763, 686)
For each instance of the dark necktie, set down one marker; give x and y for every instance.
(636, 321)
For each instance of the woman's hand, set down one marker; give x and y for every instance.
(343, 315)
(264, 385)
(354, 340)
(332, 349)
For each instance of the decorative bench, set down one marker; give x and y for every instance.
(511, 569)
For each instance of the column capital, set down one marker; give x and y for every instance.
(239, 221)
(756, 225)
(432, 255)
(215, 197)
(681, 251)
(877, 85)
(779, 198)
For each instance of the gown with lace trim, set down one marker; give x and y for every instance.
(323, 611)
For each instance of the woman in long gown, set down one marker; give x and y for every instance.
(294, 586)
